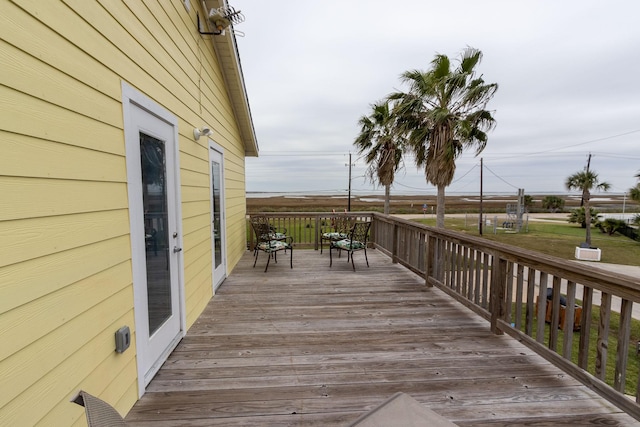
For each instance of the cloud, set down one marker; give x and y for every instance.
(567, 74)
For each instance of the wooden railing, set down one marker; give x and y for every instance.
(305, 228)
(508, 286)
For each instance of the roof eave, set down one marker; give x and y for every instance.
(227, 52)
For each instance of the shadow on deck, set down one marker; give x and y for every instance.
(314, 346)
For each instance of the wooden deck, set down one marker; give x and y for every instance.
(314, 346)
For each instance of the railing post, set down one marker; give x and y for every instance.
(252, 243)
(498, 292)
(372, 230)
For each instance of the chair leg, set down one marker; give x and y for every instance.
(255, 259)
(353, 264)
(268, 259)
(291, 255)
(365, 256)
(330, 255)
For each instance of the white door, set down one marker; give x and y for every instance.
(151, 149)
(218, 240)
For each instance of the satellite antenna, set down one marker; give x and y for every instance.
(221, 18)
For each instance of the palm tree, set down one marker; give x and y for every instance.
(634, 192)
(586, 181)
(442, 113)
(382, 147)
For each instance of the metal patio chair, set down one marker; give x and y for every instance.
(269, 241)
(357, 241)
(340, 227)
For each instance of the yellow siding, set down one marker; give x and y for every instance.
(36, 237)
(47, 160)
(75, 362)
(65, 262)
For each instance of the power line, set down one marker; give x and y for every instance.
(496, 175)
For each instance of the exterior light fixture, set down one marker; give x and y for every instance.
(203, 131)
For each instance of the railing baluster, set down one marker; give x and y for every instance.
(585, 327)
(470, 274)
(498, 284)
(567, 342)
(478, 273)
(460, 283)
(509, 290)
(485, 280)
(542, 307)
(531, 289)
(519, 291)
(622, 351)
(602, 345)
(555, 314)
(451, 263)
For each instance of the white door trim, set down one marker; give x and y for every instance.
(132, 98)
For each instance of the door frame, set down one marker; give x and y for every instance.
(132, 98)
(213, 147)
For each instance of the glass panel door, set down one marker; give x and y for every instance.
(156, 232)
(217, 216)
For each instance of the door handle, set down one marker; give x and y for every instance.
(176, 249)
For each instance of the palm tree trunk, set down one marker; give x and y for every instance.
(440, 207)
(587, 216)
(387, 198)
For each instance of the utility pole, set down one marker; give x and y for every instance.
(349, 202)
(480, 218)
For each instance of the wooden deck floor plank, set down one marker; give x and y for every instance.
(163, 385)
(421, 365)
(470, 409)
(469, 391)
(313, 346)
(208, 360)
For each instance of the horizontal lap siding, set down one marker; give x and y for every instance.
(65, 262)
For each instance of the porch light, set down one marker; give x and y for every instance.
(204, 131)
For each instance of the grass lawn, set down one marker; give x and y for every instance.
(633, 360)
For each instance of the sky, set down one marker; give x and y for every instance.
(568, 75)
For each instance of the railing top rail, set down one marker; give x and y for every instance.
(320, 214)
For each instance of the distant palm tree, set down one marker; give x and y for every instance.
(586, 181)
(382, 147)
(442, 113)
(634, 192)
